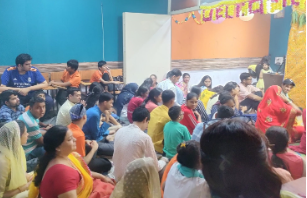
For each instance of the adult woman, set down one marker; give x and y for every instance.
(141, 180)
(235, 168)
(184, 84)
(154, 80)
(205, 83)
(147, 83)
(63, 173)
(191, 116)
(124, 97)
(153, 99)
(13, 177)
(136, 101)
(276, 110)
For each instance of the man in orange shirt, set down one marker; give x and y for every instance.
(86, 148)
(104, 76)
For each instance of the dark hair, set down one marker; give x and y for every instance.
(185, 74)
(225, 112)
(259, 67)
(235, 168)
(191, 95)
(154, 75)
(278, 139)
(142, 90)
(6, 95)
(105, 97)
(152, 94)
(201, 83)
(168, 74)
(196, 90)
(224, 97)
(93, 97)
(38, 92)
(22, 126)
(74, 64)
(188, 154)
(174, 112)
(230, 86)
(245, 76)
(218, 89)
(175, 72)
(96, 84)
(139, 114)
(101, 63)
(34, 100)
(53, 138)
(22, 58)
(72, 90)
(167, 96)
(147, 83)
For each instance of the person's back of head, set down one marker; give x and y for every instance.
(218, 89)
(175, 72)
(174, 113)
(188, 154)
(245, 76)
(105, 97)
(168, 98)
(96, 84)
(153, 95)
(141, 117)
(278, 138)
(78, 113)
(225, 112)
(224, 97)
(230, 86)
(74, 64)
(196, 90)
(147, 83)
(234, 161)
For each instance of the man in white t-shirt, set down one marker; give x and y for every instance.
(170, 84)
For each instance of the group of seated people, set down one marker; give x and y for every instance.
(157, 141)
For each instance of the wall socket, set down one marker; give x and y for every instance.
(279, 60)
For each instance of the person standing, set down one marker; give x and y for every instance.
(11, 108)
(170, 83)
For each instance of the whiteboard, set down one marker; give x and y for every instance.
(146, 45)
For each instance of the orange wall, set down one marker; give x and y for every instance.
(233, 38)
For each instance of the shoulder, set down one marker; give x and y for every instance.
(77, 74)
(12, 68)
(34, 69)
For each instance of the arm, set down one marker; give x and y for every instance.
(110, 75)
(201, 110)
(5, 117)
(237, 102)
(61, 84)
(94, 122)
(40, 141)
(94, 145)
(198, 117)
(4, 88)
(109, 82)
(261, 74)
(254, 97)
(150, 151)
(102, 178)
(113, 121)
(69, 194)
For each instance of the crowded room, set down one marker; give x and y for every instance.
(153, 99)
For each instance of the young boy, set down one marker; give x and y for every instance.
(174, 132)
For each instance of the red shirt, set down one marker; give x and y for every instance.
(134, 103)
(189, 120)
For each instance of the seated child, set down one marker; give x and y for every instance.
(174, 132)
(280, 158)
(184, 180)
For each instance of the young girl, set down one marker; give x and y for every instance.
(280, 157)
(136, 101)
(205, 83)
(191, 116)
(262, 68)
(153, 100)
(184, 84)
(184, 180)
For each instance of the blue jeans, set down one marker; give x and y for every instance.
(32, 158)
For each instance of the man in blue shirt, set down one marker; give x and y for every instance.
(95, 130)
(26, 79)
(11, 108)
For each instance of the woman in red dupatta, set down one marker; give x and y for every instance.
(276, 110)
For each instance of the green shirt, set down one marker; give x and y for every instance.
(174, 134)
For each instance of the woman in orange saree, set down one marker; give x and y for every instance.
(275, 109)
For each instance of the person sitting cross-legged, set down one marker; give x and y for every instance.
(132, 143)
(94, 129)
(11, 108)
(86, 148)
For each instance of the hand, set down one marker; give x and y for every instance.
(107, 180)
(83, 103)
(164, 159)
(29, 177)
(94, 145)
(48, 127)
(88, 142)
(24, 91)
(51, 82)
(243, 108)
(196, 114)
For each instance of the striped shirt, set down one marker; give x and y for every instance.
(33, 131)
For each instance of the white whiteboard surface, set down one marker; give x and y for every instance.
(146, 45)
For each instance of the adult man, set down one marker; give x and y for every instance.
(249, 95)
(86, 148)
(73, 97)
(222, 113)
(11, 108)
(33, 147)
(25, 79)
(103, 75)
(159, 117)
(170, 83)
(132, 143)
(70, 78)
(95, 130)
(286, 86)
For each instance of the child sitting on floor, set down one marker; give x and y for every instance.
(184, 180)
(174, 132)
(280, 157)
